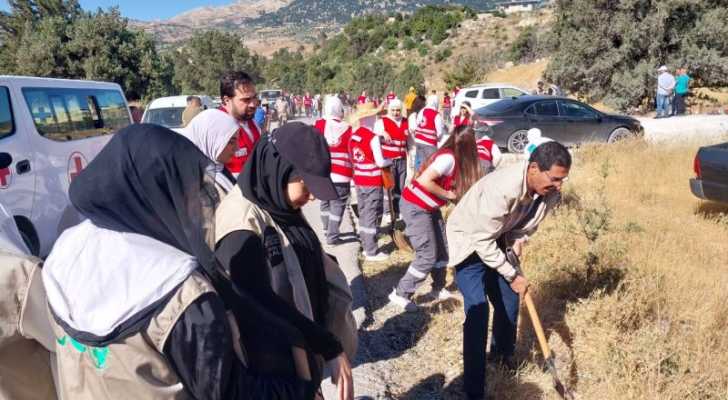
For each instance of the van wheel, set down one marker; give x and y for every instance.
(619, 134)
(27, 232)
(518, 141)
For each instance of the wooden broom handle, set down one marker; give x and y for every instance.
(537, 326)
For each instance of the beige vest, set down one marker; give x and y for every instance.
(25, 333)
(237, 213)
(134, 368)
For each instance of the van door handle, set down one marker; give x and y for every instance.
(22, 167)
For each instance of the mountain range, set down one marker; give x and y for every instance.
(284, 18)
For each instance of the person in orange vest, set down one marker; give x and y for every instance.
(393, 131)
(430, 128)
(240, 99)
(488, 153)
(445, 176)
(368, 160)
(337, 134)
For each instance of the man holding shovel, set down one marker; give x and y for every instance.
(502, 210)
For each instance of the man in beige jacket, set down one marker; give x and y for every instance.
(502, 210)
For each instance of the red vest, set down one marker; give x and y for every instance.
(246, 142)
(307, 101)
(397, 147)
(446, 102)
(421, 197)
(366, 171)
(362, 99)
(340, 159)
(457, 121)
(485, 149)
(426, 132)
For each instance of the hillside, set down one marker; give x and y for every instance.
(279, 20)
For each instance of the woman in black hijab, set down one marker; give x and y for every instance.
(283, 173)
(119, 283)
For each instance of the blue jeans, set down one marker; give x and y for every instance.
(476, 281)
(663, 103)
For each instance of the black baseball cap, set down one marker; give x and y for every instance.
(307, 150)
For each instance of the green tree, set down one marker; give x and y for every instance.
(205, 57)
(608, 50)
(524, 48)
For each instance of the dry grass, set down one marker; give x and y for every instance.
(634, 308)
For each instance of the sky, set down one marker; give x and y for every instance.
(145, 10)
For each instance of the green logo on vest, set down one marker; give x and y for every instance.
(99, 355)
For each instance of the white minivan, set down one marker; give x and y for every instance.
(167, 111)
(51, 129)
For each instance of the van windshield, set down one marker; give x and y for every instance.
(170, 117)
(270, 93)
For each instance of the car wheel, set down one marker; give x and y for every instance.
(518, 141)
(619, 134)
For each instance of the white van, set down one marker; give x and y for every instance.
(51, 129)
(167, 111)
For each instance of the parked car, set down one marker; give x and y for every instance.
(711, 173)
(481, 95)
(565, 120)
(269, 96)
(167, 111)
(50, 129)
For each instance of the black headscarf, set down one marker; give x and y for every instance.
(151, 181)
(263, 181)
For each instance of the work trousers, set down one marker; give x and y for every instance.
(422, 153)
(477, 281)
(369, 201)
(663, 105)
(333, 210)
(426, 232)
(399, 172)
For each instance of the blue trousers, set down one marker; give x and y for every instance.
(663, 105)
(477, 281)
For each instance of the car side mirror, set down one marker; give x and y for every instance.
(5, 160)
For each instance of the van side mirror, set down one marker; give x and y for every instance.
(5, 160)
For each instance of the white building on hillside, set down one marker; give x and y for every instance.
(510, 7)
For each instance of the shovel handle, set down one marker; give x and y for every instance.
(536, 321)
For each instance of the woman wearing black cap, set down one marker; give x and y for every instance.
(140, 306)
(260, 223)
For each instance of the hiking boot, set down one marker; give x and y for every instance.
(402, 302)
(379, 257)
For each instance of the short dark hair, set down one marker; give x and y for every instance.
(190, 98)
(233, 80)
(549, 154)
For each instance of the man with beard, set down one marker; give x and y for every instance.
(240, 100)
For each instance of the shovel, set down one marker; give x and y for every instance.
(542, 342)
(398, 237)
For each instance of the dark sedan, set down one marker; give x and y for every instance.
(711, 173)
(567, 121)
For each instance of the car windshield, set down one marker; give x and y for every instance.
(168, 117)
(270, 93)
(499, 106)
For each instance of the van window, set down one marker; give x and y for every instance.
(471, 94)
(7, 127)
(510, 92)
(71, 114)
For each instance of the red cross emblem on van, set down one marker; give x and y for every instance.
(76, 164)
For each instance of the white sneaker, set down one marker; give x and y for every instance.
(402, 302)
(379, 257)
(442, 294)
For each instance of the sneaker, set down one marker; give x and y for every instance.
(402, 302)
(442, 294)
(379, 257)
